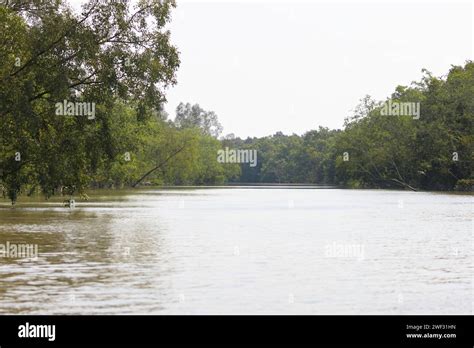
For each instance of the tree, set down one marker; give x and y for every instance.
(193, 116)
(50, 54)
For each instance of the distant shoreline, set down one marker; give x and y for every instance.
(55, 199)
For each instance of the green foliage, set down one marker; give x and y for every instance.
(384, 151)
(193, 116)
(117, 55)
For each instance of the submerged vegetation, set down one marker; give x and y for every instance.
(117, 60)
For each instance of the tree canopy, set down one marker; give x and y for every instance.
(434, 151)
(81, 105)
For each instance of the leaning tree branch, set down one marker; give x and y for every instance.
(404, 184)
(160, 165)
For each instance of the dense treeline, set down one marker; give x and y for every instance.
(432, 151)
(81, 99)
(81, 106)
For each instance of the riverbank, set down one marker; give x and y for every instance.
(106, 194)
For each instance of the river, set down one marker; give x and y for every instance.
(240, 250)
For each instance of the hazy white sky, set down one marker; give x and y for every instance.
(289, 66)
